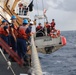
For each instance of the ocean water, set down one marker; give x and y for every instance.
(63, 61)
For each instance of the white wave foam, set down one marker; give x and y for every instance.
(46, 73)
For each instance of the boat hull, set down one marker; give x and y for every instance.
(48, 45)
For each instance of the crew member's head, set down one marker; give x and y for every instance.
(31, 23)
(39, 24)
(13, 18)
(4, 22)
(46, 22)
(25, 22)
(34, 19)
(52, 19)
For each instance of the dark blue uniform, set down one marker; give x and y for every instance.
(22, 46)
(12, 40)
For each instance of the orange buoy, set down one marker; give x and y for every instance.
(63, 40)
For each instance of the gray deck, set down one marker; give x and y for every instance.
(17, 69)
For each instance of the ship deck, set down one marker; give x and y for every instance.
(17, 69)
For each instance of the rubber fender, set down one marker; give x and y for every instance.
(63, 40)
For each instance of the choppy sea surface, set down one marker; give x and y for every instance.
(63, 61)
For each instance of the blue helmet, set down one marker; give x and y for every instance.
(13, 17)
(4, 21)
(25, 21)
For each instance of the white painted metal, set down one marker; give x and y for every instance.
(44, 41)
(47, 45)
(23, 16)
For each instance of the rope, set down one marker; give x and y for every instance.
(43, 10)
(43, 5)
(8, 62)
(37, 8)
(44, 18)
(35, 60)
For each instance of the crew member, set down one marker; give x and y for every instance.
(33, 27)
(47, 25)
(23, 36)
(52, 24)
(4, 31)
(39, 27)
(13, 33)
(34, 21)
(25, 10)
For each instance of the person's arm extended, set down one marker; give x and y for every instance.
(13, 34)
(7, 31)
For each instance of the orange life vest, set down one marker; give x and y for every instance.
(52, 24)
(14, 30)
(47, 25)
(38, 27)
(0, 30)
(22, 32)
(3, 32)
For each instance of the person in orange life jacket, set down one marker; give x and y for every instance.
(47, 25)
(39, 30)
(24, 30)
(52, 24)
(39, 27)
(12, 30)
(4, 31)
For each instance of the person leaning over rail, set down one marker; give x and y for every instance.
(22, 38)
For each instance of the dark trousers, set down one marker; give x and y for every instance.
(13, 43)
(5, 38)
(48, 30)
(21, 47)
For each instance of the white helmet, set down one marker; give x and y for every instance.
(31, 22)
